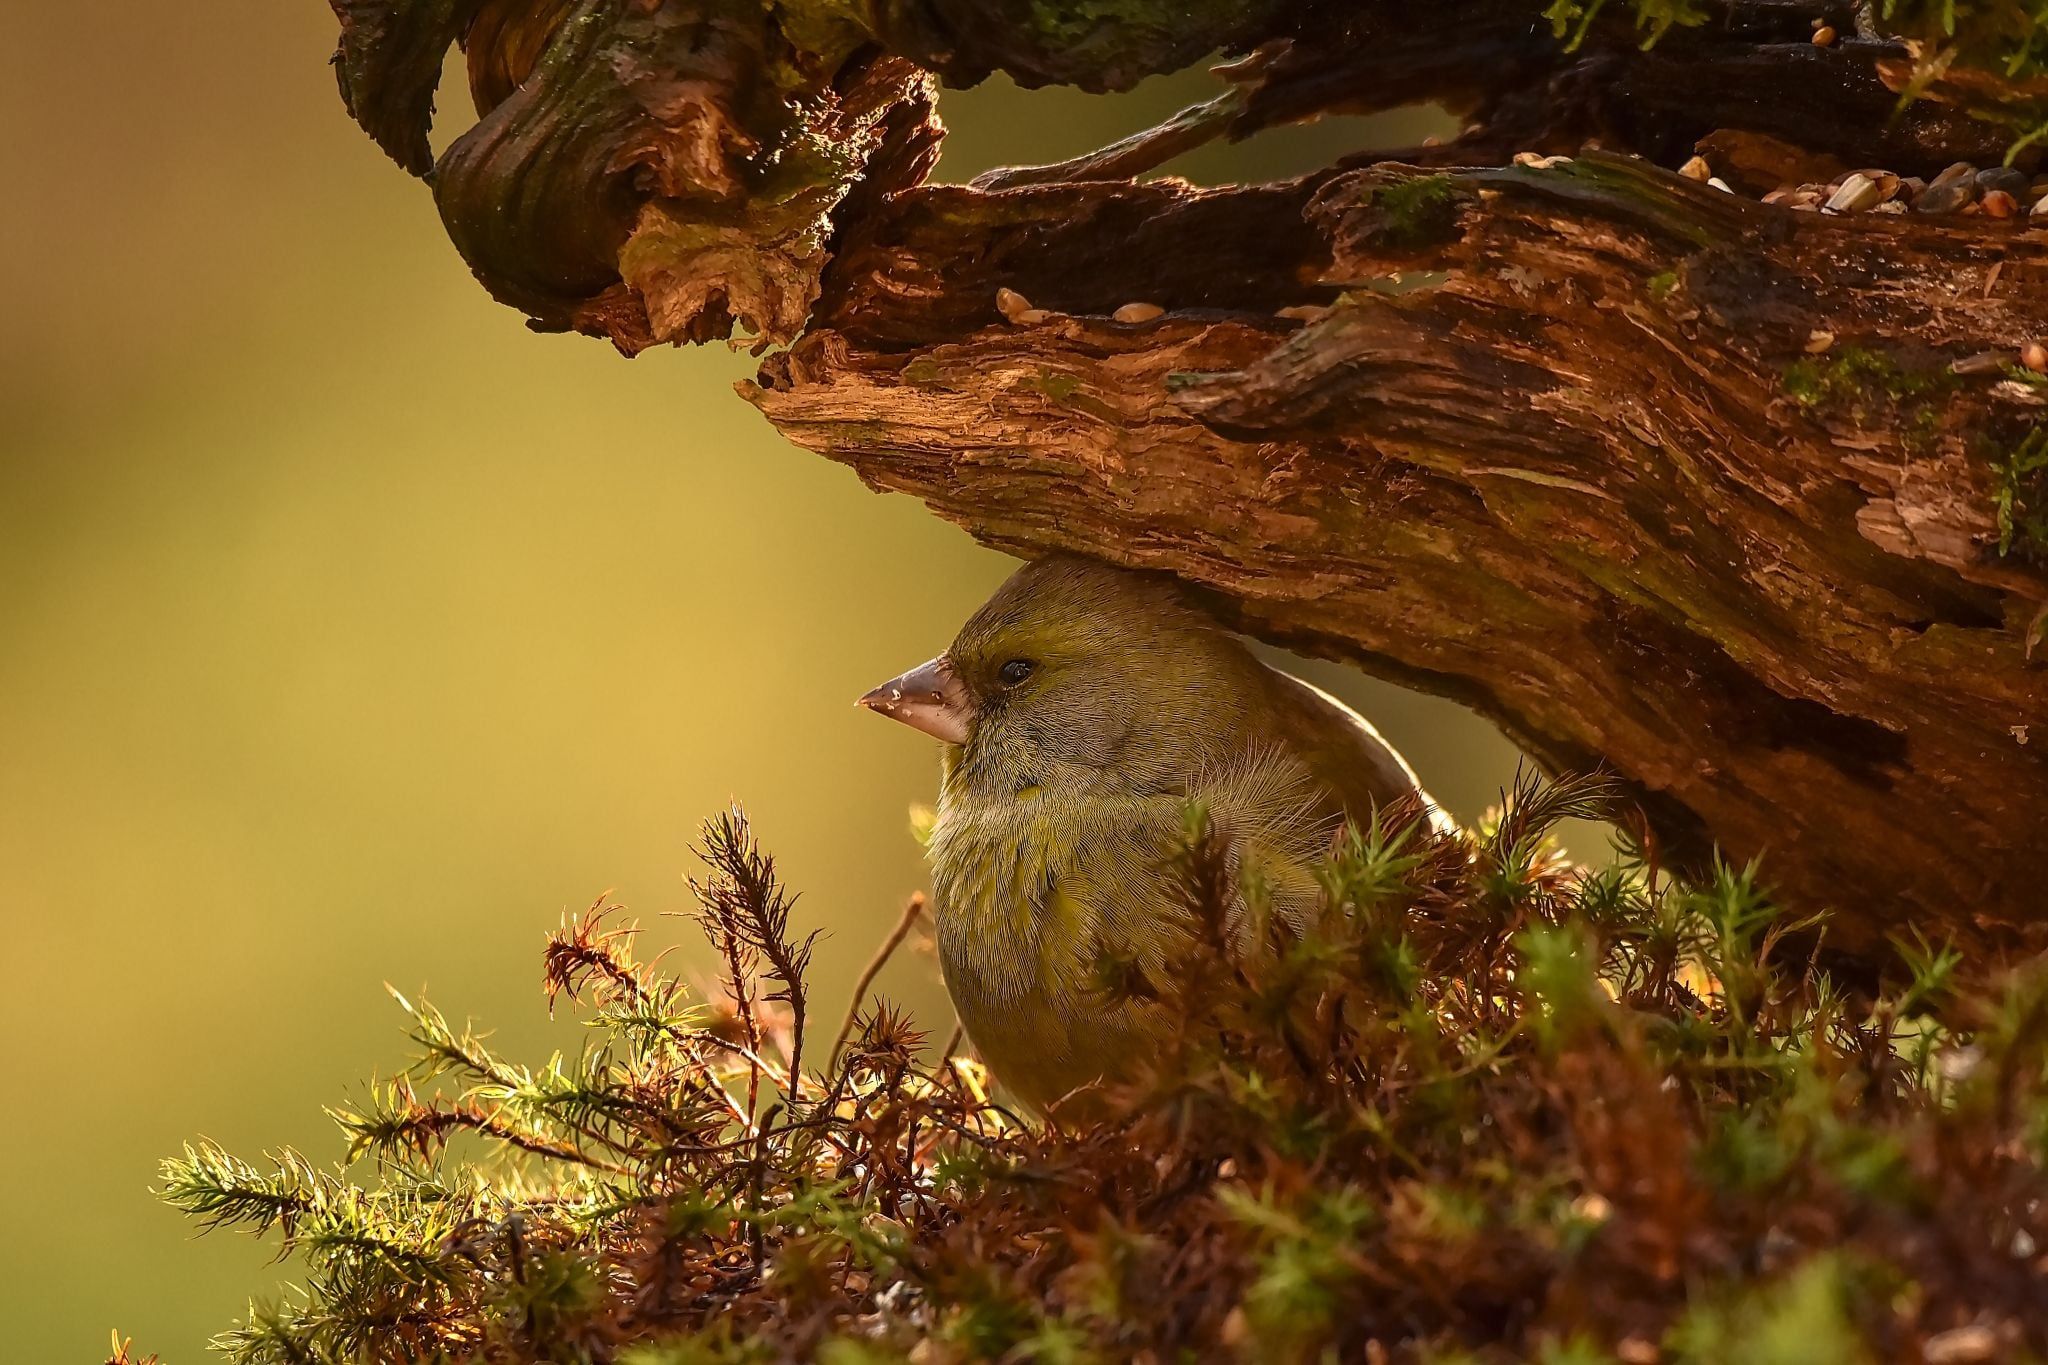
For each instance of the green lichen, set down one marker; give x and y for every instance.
(1662, 283)
(2021, 498)
(1056, 386)
(858, 435)
(1070, 391)
(1640, 188)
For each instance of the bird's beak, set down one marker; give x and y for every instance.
(928, 698)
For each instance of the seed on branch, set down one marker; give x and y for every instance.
(1950, 198)
(1950, 191)
(1855, 194)
(1983, 362)
(1961, 1346)
(2004, 178)
(1011, 304)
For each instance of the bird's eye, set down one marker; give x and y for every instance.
(1015, 671)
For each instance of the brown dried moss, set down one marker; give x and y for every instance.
(1492, 1107)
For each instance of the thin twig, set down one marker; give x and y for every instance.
(912, 909)
(1132, 156)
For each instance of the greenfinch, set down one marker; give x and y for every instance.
(1083, 709)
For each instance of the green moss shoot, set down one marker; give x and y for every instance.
(1416, 212)
(2021, 498)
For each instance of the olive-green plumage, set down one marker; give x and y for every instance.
(1088, 706)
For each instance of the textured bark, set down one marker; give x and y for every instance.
(1584, 476)
(670, 170)
(1749, 504)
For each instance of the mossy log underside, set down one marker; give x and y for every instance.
(1742, 501)
(1565, 479)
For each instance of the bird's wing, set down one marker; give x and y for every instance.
(1117, 888)
(1270, 803)
(1277, 820)
(1343, 750)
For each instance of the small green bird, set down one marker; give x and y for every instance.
(1082, 708)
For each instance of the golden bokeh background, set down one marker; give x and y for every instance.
(350, 633)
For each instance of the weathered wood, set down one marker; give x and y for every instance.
(1584, 477)
(671, 170)
(1750, 504)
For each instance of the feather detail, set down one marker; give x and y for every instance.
(1032, 896)
(1103, 704)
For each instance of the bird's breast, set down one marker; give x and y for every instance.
(993, 868)
(1022, 919)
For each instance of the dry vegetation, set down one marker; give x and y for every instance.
(1493, 1107)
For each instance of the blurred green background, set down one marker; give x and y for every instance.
(350, 633)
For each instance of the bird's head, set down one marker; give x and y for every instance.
(1075, 674)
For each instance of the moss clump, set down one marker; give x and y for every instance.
(1805, 1319)
(1857, 375)
(2021, 498)
(1416, 212)
(1873, 389)
(923, 372)
(1487, 1106)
